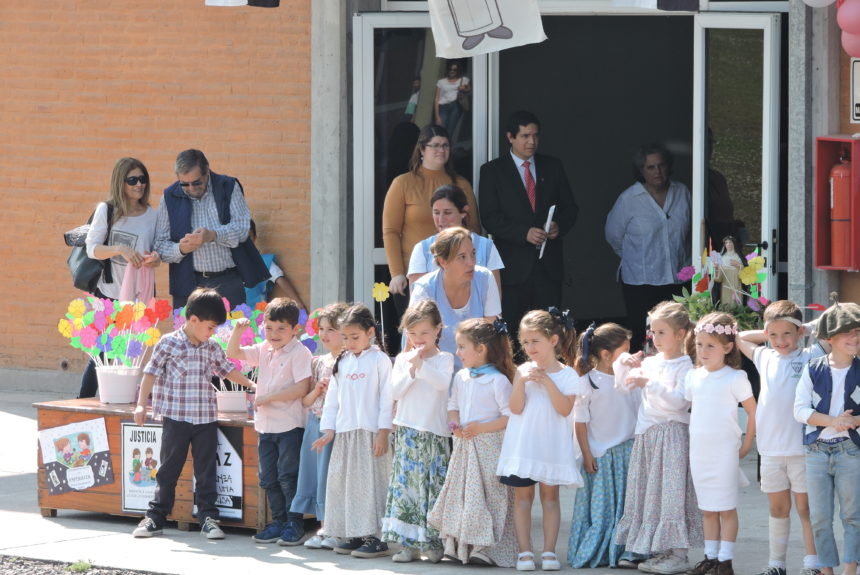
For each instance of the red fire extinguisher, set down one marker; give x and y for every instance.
(840, 212)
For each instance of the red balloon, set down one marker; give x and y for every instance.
(848, 17)
(851, 44)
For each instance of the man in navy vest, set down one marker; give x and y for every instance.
(202, 232)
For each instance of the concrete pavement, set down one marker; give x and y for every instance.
(106, 540)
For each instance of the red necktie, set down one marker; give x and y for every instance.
(530, 184)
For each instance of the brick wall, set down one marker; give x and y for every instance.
(85, 83)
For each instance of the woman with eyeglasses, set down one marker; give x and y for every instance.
(128, 246)
(407, 217)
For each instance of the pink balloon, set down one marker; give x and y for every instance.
(848, 18)
(851, 44)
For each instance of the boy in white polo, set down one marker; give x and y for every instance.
(279, 417)
(778, 436)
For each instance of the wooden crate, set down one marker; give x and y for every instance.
(108, 498)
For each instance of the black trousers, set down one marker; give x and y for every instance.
(176, 437)
(639, 299)
(538, 291)
(229, 285)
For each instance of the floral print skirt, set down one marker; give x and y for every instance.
(660, 509)
(417, 475)
(357, 485)
(598, 509)
(474, 512)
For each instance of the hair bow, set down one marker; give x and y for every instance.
(565, 318)
(586, 344)
(500, 326)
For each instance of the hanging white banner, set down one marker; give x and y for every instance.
(465, 28)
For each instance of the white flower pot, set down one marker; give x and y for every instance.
(118, 384)
(232, 401)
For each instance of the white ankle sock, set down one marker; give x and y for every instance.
(712, 548)
(810, 561)
(727, 551)
(778, 528)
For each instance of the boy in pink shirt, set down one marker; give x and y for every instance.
(283, 380)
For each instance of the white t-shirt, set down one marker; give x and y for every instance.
(448, 90)
(359, 395)
(137, 232)
(661, 400)
(715, 396)
(480, 399)
(422, 401)
(803, 400)
(777, 433)
(609, 412)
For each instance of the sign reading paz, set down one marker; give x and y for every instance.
(228, 471)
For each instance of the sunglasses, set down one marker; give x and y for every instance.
(194, 184)
(133, 180)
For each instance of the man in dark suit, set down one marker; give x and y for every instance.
(515, 194)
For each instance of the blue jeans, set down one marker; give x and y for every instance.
(450, 114)
(279, 470)
(834, 469)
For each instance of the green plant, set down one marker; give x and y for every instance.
(79, 566)
(700, 304)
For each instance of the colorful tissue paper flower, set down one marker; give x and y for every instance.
(303, 316)
(380, 292)
(686, 274)
(816, 307)
(65, 328)
(124, 317)
(702, 284)
(152, 336)
(236, 363)
(139, 308)
(226, 304)
(310, 344)
(247, 337)
(754, 304)
(162, 309)
(756, 263)
(100, 321)
(261, 306)
(135, 349)
(96, 303)
(763, 300)
(77, 307)
(748, 275)
(88, 336)
(78, 323)
(141, 325)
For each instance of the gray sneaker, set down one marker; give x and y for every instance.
(210, 529)
(146, 528)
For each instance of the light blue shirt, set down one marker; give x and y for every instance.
(483, 301)
(422, 261)
(518, 162)
(652, 242)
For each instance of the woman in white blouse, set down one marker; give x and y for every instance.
(649, 229)
(128, 246)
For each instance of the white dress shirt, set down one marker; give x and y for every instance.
(422, 401)
(480, 399)
(359, 395)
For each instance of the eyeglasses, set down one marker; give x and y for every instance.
(439, 146)
(133, 180)
(194, 184)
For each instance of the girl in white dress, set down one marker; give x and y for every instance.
(661, 517)
(538, 446)
(419, 384)
(474, 512)
(715, 388)
(357, 417)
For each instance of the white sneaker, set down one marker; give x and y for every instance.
(406, 555)
(646, 565)
(329, 542)
(314, 542)
(549, 562)
(670, 565)
(211, 530)
(434, 555)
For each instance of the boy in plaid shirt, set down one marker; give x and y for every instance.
(179, 376)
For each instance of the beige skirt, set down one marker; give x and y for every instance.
(357, 486)
(474, 512)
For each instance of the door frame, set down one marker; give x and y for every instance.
(365, 254)
(769, 24)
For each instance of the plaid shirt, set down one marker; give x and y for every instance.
(183, 389)
(213, 256)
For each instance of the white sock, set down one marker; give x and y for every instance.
(727, 551)
(810, 561)
(778, 528)
(712, 548)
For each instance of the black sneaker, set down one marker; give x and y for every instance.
(146, 528)
(347, 546)
(270, 534)
(372, 547)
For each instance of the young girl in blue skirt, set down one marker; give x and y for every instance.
(313, 466)
(419, 384)
(605, 420)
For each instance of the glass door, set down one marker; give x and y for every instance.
(736, 108)
(395, 72)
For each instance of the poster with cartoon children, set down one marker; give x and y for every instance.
(76, 456)
(140, 444)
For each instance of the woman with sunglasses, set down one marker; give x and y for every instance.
(129, 245)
